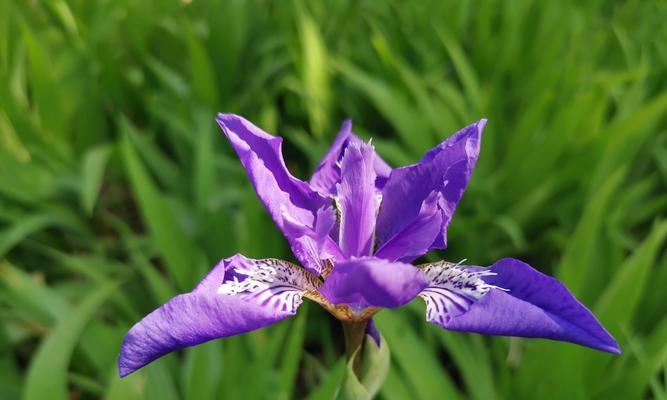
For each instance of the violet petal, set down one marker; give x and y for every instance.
(416, 238)
(358, 200)
(372, 331)
(327, 174)
(239, 295)
(283, 195)
(314, 245)
(445, 169)
(520, 301)
(372, 282)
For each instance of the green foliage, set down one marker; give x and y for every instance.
(372, 373)
(117, 191)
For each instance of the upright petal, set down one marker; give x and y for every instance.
(416, 238)
(372, 282)
(511, 299)
(358, 200)
(446, 170)
(239, 295)
(283, 195)
(328, 173)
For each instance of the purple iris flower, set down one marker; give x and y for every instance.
(355, 227)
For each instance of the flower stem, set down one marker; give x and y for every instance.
(354, 332)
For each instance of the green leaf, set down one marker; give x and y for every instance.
(643, 360)
(92, 172)
(472, 358)
(168, 77)
(395, 386)
(428, 381)
(289, 367)
(160, 384)
(170, 240)
(47, 373)
(10, 378)
(129, 388)
(619, 301)
(463, 67)
(412, 129)
(204, 178)
(29, 298)
(627, 134)
(24, 228)
(579, 258)
(11, 143)
(201, 371)
(202, 75)
(315, 64)
(331, 383)
(44, 85)
(375, 361)
(64, 14)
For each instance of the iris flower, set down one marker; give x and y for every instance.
(355, 227)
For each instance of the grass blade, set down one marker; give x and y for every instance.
(47, 374)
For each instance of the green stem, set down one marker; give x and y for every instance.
(354, 332)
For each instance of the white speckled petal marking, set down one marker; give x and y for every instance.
(270, 282)
(452, 289)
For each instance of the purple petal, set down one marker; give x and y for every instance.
(327, 174)
(531, 304)
(239, 295)
(314, 245)
(372, 282)
(284, 196)
(358, 201)
(372, 331)
(415, 238)
(188, 320)
(446, 170)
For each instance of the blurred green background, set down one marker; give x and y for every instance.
(118, 191)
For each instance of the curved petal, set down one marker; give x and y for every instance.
(283, 195)
(510, 298)
(358, 200)
(314, 246)
(416, 238)
(372, 282)
(327, 173)
(445, 170)
(239, 295)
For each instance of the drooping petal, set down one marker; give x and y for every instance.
(446, 170)
(328, 172)
(270, 282)
(283, 195)
(358, 200)
(452, 289)
(239, 295)
(510, 298)
(416, 238)
(372, 282)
